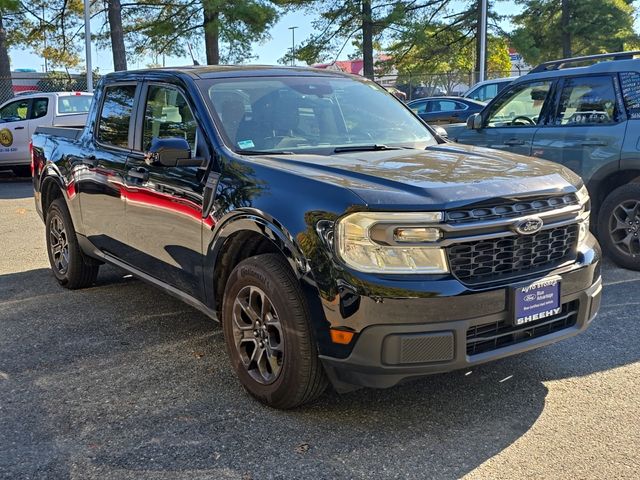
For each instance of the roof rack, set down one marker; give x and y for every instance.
(558, 64)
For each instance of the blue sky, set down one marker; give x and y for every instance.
(266, 53)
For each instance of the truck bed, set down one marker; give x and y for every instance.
(70, 133)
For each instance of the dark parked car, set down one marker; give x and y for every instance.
(333, 235)
(440, 110)
(583, 113)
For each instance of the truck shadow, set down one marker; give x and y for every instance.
(12, 187)
(123, 380)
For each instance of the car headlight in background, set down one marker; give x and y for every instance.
(585, 212)
(388, 242)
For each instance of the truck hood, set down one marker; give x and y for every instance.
(441, 175)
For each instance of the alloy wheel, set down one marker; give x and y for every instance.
(59, 244)
(258, 334)
(624, 227)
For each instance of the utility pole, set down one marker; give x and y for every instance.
(87, 45)
(44, 38)
(293, 46)
(483, 39)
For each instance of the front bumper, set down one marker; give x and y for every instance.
(477, 329)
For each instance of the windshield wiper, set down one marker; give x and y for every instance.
(365, 148)
(263, 152)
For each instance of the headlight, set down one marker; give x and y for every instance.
(585, 201)
(378, 242)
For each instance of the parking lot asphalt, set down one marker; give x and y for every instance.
(122, 381)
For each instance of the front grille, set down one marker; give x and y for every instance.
(510, 209)
(495, 259)
(491, 336)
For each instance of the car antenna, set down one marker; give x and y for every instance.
(195, 62)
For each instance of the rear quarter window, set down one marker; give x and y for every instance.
(74, 104)
(630, 83)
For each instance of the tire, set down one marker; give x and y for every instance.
(72, 268)
(619, 226)
(286, 372)
(22, 171)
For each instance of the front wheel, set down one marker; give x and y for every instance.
(268, 335)
(619, 226)
(70, 266)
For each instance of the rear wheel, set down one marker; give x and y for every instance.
(72, 268)
(619, 226)
(268, 336)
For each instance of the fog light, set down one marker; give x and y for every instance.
(416, 234)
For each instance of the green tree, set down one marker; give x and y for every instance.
(365, 23)
(551, 29)
(8, 8)
(227, 29)
(114, 15)
(438, 55)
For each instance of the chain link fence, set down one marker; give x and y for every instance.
(32, 82)
(422, 84)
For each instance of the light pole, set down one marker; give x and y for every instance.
(483, 39)
(293, 45)
(87, 45)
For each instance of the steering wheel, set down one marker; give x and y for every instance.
(529, 121)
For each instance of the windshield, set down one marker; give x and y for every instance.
(74, 104)
(303, 114)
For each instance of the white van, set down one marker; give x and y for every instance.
(20, 116)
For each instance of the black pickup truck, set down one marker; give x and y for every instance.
(335, 236)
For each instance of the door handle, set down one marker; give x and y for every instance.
(594, 143)
(91, 161)
(18, 128)
(514, 141)
(139, 173)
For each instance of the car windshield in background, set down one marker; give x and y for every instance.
(303, 114)
(74, 104)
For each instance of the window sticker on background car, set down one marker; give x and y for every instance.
(631, 91)
(246, 144)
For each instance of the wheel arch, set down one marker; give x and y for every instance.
(599, 188)
(242, 236)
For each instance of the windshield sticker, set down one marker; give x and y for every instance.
(246, 144)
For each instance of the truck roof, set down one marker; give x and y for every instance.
(36, 93)
(222, 71)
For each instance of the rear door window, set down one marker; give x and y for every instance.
(587, 101)
(39, 107)
(630, 83)
(115, 117)
(74, 104)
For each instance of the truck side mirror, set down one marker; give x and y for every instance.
(474, 122)
(171, 152)
(440, 131)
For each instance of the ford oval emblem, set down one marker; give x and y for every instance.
(527, 226)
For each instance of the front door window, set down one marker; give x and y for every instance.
(520, 107)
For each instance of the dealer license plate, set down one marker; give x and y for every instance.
(537, 300)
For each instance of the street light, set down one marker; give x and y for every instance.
(87, 45)
(293, 45)
(483, 38)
